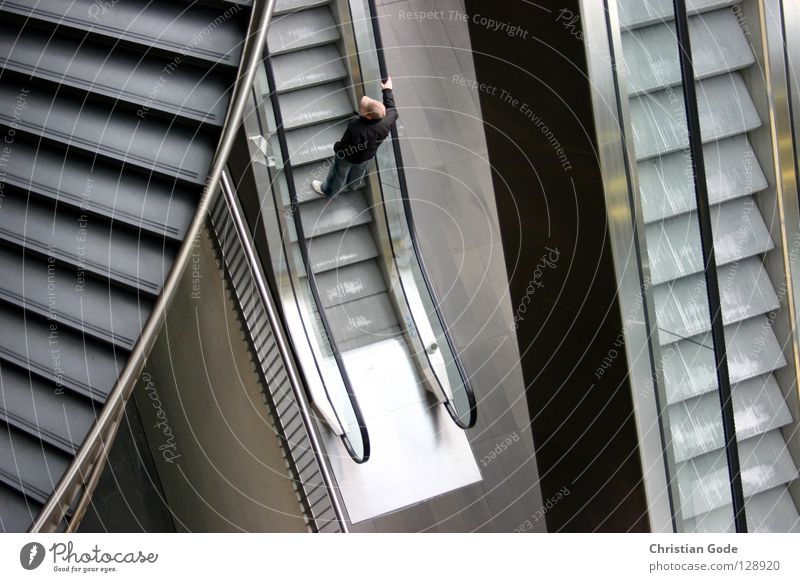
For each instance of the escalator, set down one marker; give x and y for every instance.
(363, 282)
(315, 107)
(111, 114)
(743, 214)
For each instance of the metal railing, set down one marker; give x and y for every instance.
(80, 479)
(280, 377)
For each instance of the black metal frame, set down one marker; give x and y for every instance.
(710, 264)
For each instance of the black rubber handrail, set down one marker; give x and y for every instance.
(409, 215)
(710, 264)
(295, 207)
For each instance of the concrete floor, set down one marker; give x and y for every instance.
(448, 173)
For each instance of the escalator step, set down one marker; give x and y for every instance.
(284, 6)
(68, 298)
(696, 424)
(307, 68)
(29, 465)
(339, 249)
(193, 31)
(689, 370)
(666, 187)
(301, 30)
(116, 72)
(651, 54)
(350, 283)
(636, 13)
(659, 119)
(674, 245)
(368, 317)
(772, 511)
(151, 143)
(33, 405)
(303, 177)
(704, 483)
(315, 104)
(682, 306)
(315, 143)
(344, 211)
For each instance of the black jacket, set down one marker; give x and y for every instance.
(363, 136)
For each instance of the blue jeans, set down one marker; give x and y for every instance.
(343, 175)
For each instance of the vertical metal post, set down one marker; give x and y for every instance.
(710, 264)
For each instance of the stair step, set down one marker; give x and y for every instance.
(315, 104)
(32, 405)
(689, 370)
(772, 511)
(344, 211)
(86, 243)
(68, 298)
(300, 30)
(682, 306)
(659, 118)
(368, 316)
(164, 26)
(28, 465)
(673, 246)
(310, 67)
(161, 206)
(350, 283)
(315, 143)
(17, 512)
(59, 355)
(284, 6)
(152, 83)
(704, 483)
(636, 13)
(666, 187)
(151, 143)
(339, 249)
(651, 54)
(696, 424)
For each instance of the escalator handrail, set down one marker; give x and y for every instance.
(83, 471)
(409, 216)
(312, 283)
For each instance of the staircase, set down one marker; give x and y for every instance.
(315, 102)
(742, 242)
(111, 114)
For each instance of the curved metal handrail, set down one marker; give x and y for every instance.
(409, 216)
(83, 471)
(301, 239)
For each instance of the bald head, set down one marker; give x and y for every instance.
(371, 108)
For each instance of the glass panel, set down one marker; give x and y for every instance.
(430, 342)
(328, 390)
(663, 164)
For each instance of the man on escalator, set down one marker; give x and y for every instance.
(359, 143)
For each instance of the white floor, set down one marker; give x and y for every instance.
(417, 452)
